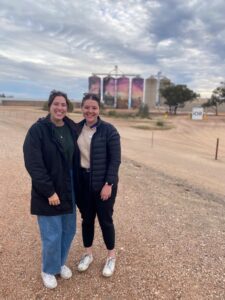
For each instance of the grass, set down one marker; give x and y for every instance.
(154, 125)
(119, 114)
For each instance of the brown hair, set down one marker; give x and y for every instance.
(54, 94)
(90, 96)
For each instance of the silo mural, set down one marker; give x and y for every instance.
(94, 85)
(109, 90)
(122, 92)
(137, 88)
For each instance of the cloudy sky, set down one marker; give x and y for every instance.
(49, 44)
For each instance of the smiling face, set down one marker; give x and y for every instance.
(90, 110)
(58, 110)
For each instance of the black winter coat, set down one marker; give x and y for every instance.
(48, 168)
(105, 154)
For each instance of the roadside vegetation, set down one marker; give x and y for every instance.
(176, 96)
(142, 112)
(157, 124)
(217, 98)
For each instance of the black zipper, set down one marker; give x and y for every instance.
(91, 162)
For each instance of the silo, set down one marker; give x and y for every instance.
(94, 85)
(109, 90)
(150, 92)
(122, 92)
(137, 88)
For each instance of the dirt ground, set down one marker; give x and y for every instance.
(169, 216)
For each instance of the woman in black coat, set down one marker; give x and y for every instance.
(50, 153)
(100, 157)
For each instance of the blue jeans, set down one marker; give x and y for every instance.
(57, 233)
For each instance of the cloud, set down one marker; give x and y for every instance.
(56, 43)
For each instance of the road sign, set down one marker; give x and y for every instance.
(197, 113)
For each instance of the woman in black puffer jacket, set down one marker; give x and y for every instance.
(100, 157)
(51, 156)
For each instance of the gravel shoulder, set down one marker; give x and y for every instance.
(170, 228)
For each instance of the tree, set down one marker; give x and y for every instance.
(177, 95)
(217, 98)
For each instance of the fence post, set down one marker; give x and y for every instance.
(152, 137)
(217, 148)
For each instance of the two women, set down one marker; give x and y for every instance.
(50, 154)
(56, 166)
(100, 157)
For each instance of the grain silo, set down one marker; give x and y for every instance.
(109, 90)
(137, 88)
(94, 85)
(122, 92)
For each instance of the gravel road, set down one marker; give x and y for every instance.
(170, 233)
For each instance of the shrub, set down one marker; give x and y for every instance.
(45, 106)
(160, 123)
(112, 113)
(71, 107)
(121, 114)
(143, 111)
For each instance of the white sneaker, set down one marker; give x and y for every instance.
(65, 272)
(49, 280)
(85, 262)
(109, 267)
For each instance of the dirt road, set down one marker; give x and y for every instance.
(169, 215)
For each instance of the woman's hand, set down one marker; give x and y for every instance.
(106, 192)
(54, 200)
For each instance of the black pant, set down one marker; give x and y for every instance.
(91, 204)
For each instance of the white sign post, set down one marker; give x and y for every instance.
(197, 113)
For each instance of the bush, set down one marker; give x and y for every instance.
(70, 108)
(143, 111)
(112, 113)
(45, 106)
(160, 123)
(121, 114)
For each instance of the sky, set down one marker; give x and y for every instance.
(58, 44)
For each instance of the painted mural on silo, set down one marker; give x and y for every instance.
(94, 85)
(137, 88)
(122, 92)
(109, 90)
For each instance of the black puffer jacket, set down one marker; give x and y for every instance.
(47, 166)
(105, 154)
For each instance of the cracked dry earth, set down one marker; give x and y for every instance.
(169, 217)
